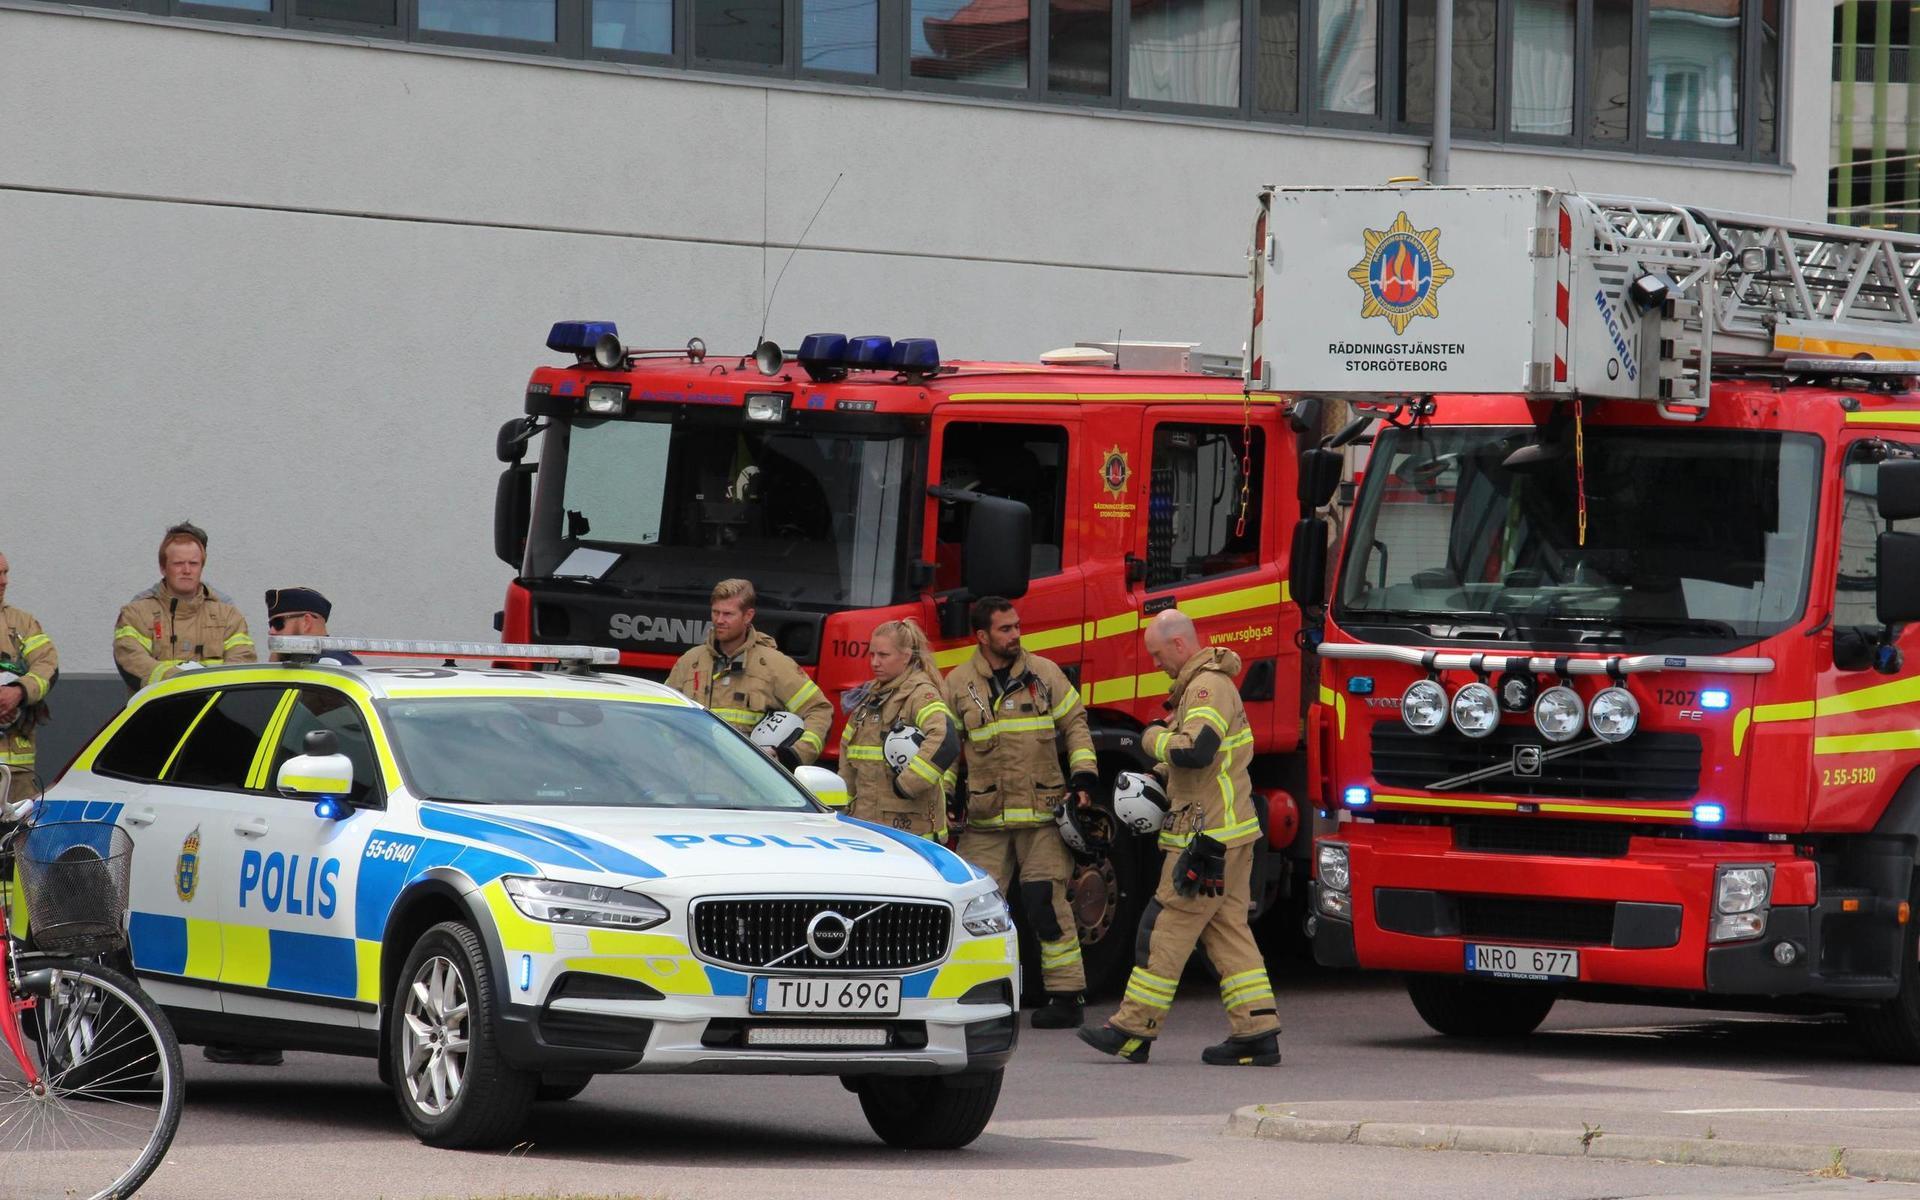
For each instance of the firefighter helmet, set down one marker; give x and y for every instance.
(778, 731)
(903, 742)
(1140, 802)
(7, 677)
(1088, 832)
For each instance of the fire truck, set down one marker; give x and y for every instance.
(1619, 675)
(868, 479)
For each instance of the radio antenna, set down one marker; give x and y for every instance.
(768, 310)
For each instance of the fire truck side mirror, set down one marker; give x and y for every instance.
(1898, 596)
(1304, 416)
(1898, 489)
(510, 444)
(512, 513)
(1307, 563)
(999, 548)
(1319, 477)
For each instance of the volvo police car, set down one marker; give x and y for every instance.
(500, 883)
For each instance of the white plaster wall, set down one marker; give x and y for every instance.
(289, 288)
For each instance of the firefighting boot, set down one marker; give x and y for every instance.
(1118, 1042)
(1061, 1011)
(1260, 1050)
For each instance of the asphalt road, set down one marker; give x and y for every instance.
(1072, 1123)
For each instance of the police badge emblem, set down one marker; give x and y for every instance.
(186, 872)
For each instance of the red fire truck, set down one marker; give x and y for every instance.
(869, 480)
(1620, 685)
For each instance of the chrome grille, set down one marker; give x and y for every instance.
(771, 932)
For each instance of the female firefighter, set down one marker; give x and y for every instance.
(899, 746)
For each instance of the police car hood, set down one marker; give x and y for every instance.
(774, 851)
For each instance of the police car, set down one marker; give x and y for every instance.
(500, 883)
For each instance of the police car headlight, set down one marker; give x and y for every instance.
(987, 914)
(582, 904)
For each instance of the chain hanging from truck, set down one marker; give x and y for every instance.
(1246, 463)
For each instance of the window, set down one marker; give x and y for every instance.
(1855, 599)
(840, 35)
(633, 26)
(1475, 62)
(1027, 463)
(141, 747)
(1194, 527)
(385, 13)
(1349, 47)
(1080, 48)
(507, 20)
(1185, 52)
(1542, 68)
(1693, 71)
(323, 708)
(220, 751)
(970, 41)
(748, 32)
(1277, 68)
(1610, 73)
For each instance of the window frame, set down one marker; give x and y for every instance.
(219, 694)
(376, 800)
(1260, 501)
(569, 18)
(192, 702)
(1036, 61)
(1064, 494)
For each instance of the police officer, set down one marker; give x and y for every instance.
(29, 665)
(899, 746)
(303, 612)
(740, 674)
(1206, 878)
(1022, 716)
(179, 622)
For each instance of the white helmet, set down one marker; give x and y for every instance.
(903, 742)
(778, 731)
(1140, 802)
(1088, 832)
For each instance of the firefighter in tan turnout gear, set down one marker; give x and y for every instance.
(1028, 751)
(1206, 879)
(899, 746)
(179, 623)
(28, 667)
(741, 676)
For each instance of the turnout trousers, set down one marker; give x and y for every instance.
(1170, 928)
(1044, 865)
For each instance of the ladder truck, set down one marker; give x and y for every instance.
(1618, 687)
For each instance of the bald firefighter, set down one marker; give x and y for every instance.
(179, 623)
(29, 666)
(741, 676)
(1207, 874)
(1028, 751)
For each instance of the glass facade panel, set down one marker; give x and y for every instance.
(1080, 47)
(840, 35)
(1769, 97)
(1610, 71)
(1348, 42)
(970, 41)
(741, 31)
(1542, 66)
(1476, 62)
(242, 5)
(1277, 71)
(356, 12)
(1693, 71)
(514, 20)
(1185, 52)
(636, 26)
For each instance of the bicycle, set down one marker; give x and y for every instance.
(90, 1075)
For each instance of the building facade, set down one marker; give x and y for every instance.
(282, 266)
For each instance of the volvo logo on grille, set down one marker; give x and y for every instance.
(829, 934)
(1527, 760)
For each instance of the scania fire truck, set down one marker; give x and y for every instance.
(1620, 680)
(868, 480)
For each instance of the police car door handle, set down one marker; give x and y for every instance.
(254, 828)
(145, 816)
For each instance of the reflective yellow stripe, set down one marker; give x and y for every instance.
(863, 753)
(936, 708)
(1339, 702)
(924, 769)
(1258, 973)
(810, 738)
(238, 639)
(1864, 743)
(1235, 398)
(128, 631)
(993, 729)
(34, 642)
(1065, 706)
(191, 726)
(472, 693)
(21, 759)
(1111, 691)
(1672, 814)
(161, 668)
(740, 718)
(1210, 716)
(1834, 348)
(204, 944)
(269, 741)
(318, 785)
(1083, 758)
(807, 692)
(1883, 418)
(1059, 954)
(1264, 595)
(1156, 742)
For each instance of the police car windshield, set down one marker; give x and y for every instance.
(581, 752)
(817, 513)
(1690, 534)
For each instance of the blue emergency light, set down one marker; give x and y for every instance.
(1357, 797)
(578, 337)
(823, 356)
(869, 352)
(1709, 814)
(1715, 698)
(915, 356)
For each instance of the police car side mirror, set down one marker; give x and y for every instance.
(826, 787)
(321, 774)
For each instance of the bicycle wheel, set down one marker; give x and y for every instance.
(107, 1101)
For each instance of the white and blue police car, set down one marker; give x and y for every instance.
(499, 883)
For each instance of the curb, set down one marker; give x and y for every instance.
(1263, 1121)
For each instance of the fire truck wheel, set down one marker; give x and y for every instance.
(1890, 1030)
(1472, 1008)
(1107, 898)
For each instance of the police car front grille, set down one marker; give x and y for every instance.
(887, 935)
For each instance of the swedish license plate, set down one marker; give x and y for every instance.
(824, 997)
(1522, 962)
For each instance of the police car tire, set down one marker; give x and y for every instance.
(1473, 1008)
(555, 1088)
(929, 1112)
(494, 1097)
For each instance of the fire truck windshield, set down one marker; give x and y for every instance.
(813, 516)
(1690, 533)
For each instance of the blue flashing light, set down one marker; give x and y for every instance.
(329, 808)
(1709, 814)
(526, 972)
(578, 337)
(917, 356)
(827, 348)
(1360, 685)
(1716, 698)
(1357, 797)
(869, 351)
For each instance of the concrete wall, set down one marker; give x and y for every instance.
(288, 288)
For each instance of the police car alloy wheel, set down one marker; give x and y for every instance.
(448, 1075)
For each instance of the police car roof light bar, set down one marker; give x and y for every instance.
(307, 649)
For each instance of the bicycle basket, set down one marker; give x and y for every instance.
(74, 879)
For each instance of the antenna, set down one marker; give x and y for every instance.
(768, 310)
(1118, 334)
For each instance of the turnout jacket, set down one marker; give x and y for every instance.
(1206, 745)
(914, 800)
(28, 652)
(1017, 739)
(758, 680)
(158, 632)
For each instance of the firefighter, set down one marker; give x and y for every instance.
(1022, 716)
(179, 623)
(899, 745)
(1206, 877)
(29, 665)
(740, 675)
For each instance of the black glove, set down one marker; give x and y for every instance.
(787, 757)
(1201, 868)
